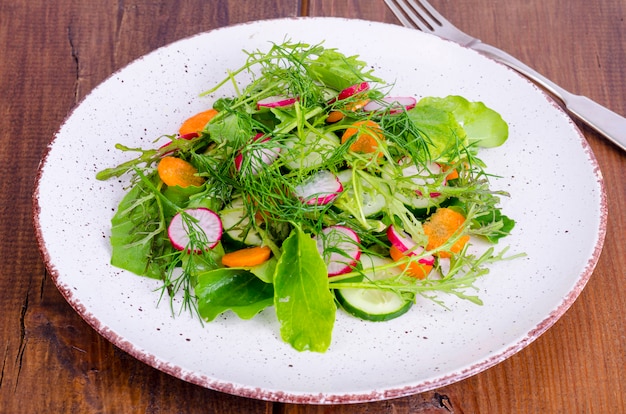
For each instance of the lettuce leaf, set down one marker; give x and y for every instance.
(337, 71)
(441, 129)
(305, 307)
(483, 126)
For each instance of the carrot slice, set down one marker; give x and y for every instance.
(248, 257)
(441, 226)
(452, 173)
(334, 116)
(197, 122)
(368, 135)
(174, 171)
(414, 269)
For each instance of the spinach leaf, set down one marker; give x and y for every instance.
(304, 304)
(138, 234)
(233, 289)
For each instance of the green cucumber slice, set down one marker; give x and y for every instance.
(237, 226)
(373, 304)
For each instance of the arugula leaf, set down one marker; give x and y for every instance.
(233, 289)
(304, 304)
(493, 225)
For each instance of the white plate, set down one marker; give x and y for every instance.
(557, 198)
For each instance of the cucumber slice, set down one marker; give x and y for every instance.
(311, 152)
(237, 226)
(372, 304)
(372, 201)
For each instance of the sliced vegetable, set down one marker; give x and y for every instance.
(276, 102)
(175, 171)
(237, 225)
(392, 104)
(442, 225)
(248, 257)
(374, 304)
(257, 158)
(320, 189)
(195, 229)
(309, 152)
(193, 125)
(353, 90)
(403, 243)
(339, 247)
(426, 175)
(417, 269)
(368, 136)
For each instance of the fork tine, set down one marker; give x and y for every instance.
(407, 15)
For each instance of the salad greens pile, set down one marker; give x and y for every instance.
(313, 146)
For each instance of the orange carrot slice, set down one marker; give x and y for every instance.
(334, 116)
(175, 171)
(368, 135)
(248, 257)
(414, 269)
(440, 227)
(452, 173)
(197, 122)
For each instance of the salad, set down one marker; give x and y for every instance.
(314, 189)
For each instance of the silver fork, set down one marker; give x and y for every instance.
(419, 14)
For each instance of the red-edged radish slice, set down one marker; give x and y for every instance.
(339, 247)
(319, 189)
(353, 90)
(275, 102)
(188, 136)
(205, 223)
(422, 176)
(260, 157)
(403, 242)
(391, 103)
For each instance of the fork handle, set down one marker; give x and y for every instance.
(603, 120)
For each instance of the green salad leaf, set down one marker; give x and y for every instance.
(483, 125)
(444, 135)
(232, 289)
(138, 233)
(305, 307)
(338, 71)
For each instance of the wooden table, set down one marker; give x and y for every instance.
(52, 53)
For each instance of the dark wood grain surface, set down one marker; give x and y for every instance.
(52, 53)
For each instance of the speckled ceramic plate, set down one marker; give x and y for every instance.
(557, 198)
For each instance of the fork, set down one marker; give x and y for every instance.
(419, 14)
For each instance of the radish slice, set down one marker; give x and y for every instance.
(423, 176)
(403, 242)
(260, 156)
(275, 102)
(339, 247)
(202, 221)
(393, 104)
(353, 90)
(320, 189)
(188, 136)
